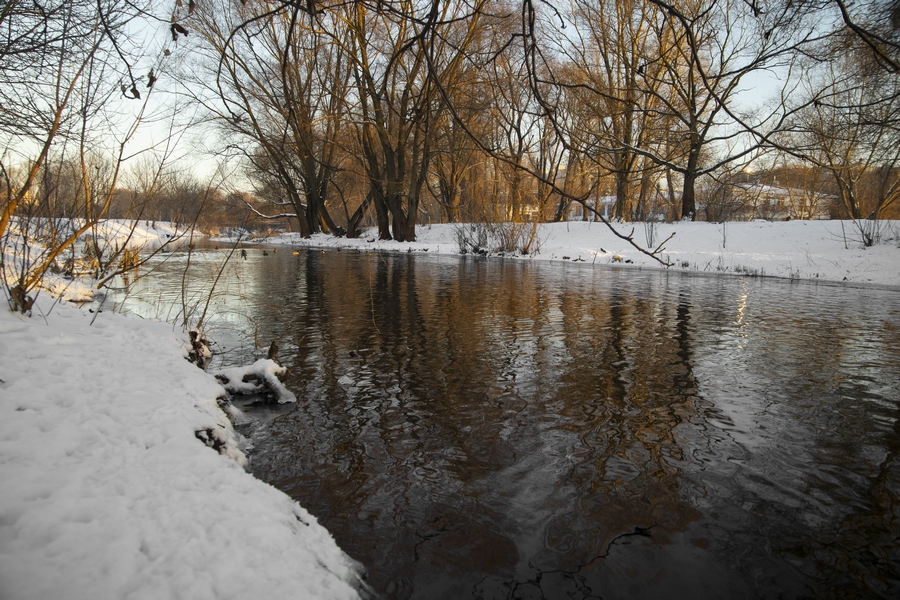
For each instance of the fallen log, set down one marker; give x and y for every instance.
(260, 378)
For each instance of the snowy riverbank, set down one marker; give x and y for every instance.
(108, 493)
(814, 250)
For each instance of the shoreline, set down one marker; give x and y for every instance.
(624, 267)
(790, 250)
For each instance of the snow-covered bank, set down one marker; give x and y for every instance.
(816, 250)
(143, 235)
(107, 492)
(30, 243)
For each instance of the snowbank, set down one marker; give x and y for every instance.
(139, 235)
(817, 250)
(108, 492)
(109, 235)
(146, 236)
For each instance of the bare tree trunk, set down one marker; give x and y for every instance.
(688, 203)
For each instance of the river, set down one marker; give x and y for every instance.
(471, 427)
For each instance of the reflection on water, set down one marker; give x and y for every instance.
(473, 428)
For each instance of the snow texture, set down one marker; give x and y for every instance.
(107, 489)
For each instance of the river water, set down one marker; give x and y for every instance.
(493, 428)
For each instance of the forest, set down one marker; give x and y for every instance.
(336, 116)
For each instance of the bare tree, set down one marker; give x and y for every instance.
(851, 132)
(62, 64)
(718, 47)
(876, 26)
(467, 179)
(454, 158)
(613, 48)
(529, 41)
(397, 53)
(276, 87)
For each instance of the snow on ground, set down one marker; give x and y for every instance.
(817, 250)
(143, 235)
(110, 235)
(107, 492)
(146, 236)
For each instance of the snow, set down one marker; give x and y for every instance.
(110, 235)
(812, 250)
(109, 490)
(108, 493)
(139, 235)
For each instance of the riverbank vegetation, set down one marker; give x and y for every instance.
(337, 116)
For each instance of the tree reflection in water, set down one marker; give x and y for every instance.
(473, 428)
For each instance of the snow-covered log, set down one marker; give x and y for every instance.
(259, 378)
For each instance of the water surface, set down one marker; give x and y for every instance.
(483, 428)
